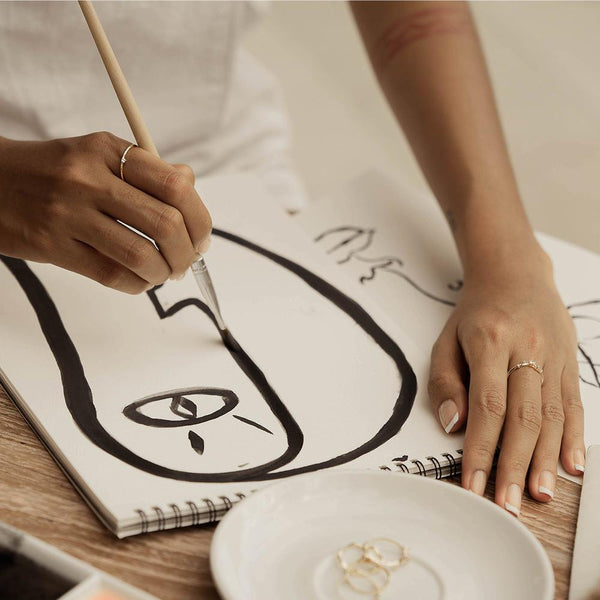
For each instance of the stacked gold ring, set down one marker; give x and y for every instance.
(369, 572)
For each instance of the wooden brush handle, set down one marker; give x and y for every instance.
(117, 78)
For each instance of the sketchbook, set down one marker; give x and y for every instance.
(394, 242)
(159, 425)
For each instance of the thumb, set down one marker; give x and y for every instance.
(446, 388)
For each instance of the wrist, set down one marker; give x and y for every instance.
(492, 231)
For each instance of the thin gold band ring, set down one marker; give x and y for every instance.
(124, 160)
(528, 363)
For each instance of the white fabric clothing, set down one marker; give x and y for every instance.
(205, 100)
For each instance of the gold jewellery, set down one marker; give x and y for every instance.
(368, 567)
(529, 363)
(124, 160)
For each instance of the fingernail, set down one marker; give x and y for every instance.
(177, 277)
(448, 414)
(546, 484)
(478, 482)
(579, 461)
(512, 502)
(203, 246)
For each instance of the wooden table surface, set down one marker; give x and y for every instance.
(36, 497)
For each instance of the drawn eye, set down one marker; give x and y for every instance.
(182, 408)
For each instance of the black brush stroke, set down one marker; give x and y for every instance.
(253, 423)
(196, 442)
(132, 411)
(79, 400)
(358, 231)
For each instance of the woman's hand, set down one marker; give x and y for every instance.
(510, 313)
(63, 202)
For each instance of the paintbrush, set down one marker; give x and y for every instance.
(143, 139)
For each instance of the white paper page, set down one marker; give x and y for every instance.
(151, 411)
(395, 242)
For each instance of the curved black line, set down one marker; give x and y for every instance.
(408, 387)
(590, 362)
(358, 231)
(79, 400)
(578, 304)
(384, 267)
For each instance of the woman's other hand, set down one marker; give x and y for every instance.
(510, 312)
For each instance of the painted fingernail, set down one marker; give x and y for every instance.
(478, 482)
(512, 502)
(546, 484)
(203, 246)
(579, 461)
(448, 414)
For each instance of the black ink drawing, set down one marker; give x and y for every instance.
(185, 404)
(350, 243)
(586, 316)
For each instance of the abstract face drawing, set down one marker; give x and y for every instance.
(264, 440)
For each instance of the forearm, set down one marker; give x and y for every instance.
(430, 65)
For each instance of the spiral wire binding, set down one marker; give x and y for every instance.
(446, 465)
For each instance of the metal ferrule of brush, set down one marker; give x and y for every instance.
(205, 284)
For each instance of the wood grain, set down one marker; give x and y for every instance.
(173, 565)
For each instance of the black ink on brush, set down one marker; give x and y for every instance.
(79, 399)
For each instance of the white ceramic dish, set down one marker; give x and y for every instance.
(281, 542)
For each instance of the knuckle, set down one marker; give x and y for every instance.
(573, 406)
(529, 416)
(109, 275)
(492, 404)
(188, 173)
(486, 331)
(517, 464)
(168, 222)
(176, 187)
(481, 454)
(438, 384)
(137, 288)
(68, 171)
(138, 253)
(552, 412)
(97, 142)
(55, 210)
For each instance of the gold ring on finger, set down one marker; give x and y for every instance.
(528, 363)
(124, 160)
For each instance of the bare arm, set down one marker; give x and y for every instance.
(429, 63)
